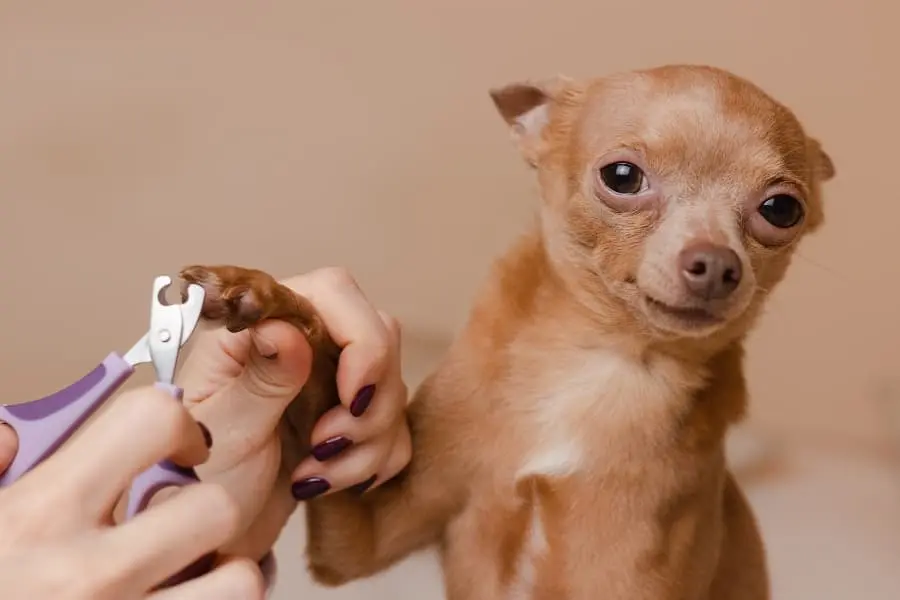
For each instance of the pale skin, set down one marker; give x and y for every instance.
(59, 536)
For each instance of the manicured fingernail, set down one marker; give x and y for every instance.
(331, 448)
(207, 436)
(310, 488)
(361, 403)
(265, 348)
(360, 488)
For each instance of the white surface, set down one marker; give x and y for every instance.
(832, 525)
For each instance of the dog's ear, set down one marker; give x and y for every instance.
(525, 107)
(823, 166)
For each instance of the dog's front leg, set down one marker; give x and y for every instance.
(352, 536)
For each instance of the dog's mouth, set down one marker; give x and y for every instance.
(687, 317)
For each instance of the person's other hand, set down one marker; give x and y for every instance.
(58, 538)
(239, 385)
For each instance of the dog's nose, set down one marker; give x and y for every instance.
(709, 271)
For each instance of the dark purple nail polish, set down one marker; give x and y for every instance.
(331, 448)
(207, 436)
(310, 488)
(360, 488)
(362, 401)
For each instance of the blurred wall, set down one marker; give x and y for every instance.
(137, 137)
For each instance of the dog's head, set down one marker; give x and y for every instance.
(674, 195)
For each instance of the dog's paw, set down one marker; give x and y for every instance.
(326, 576)
(242, 297)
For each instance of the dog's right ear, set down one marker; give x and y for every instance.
(525, 107)
(823, 166)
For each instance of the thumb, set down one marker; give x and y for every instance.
(278, 364)
(244, 413)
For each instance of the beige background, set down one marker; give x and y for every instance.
(136, 137)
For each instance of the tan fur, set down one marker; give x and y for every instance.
(571, 443)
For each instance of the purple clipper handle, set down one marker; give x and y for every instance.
(44, 425)
(161, 475)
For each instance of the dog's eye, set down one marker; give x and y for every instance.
(782, 211)
(623, 178)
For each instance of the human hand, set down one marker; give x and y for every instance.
(58, 538)
(239, 385)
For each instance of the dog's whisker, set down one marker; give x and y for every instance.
(823, 267)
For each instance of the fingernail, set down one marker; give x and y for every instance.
(360, 488)
(331, 448)
(362, 401)
(207, 436)
(265, 348)
(310, 488)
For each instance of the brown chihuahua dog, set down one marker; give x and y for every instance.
(571, 443)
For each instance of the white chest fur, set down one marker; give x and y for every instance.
(589, 400)
(577, 415)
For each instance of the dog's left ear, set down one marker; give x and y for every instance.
(526, 109)
(823, 166)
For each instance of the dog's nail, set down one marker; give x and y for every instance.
(331, 448)
(309, 488)
(361, 403)
(265, 348)
(207, 436)
(362, 487)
